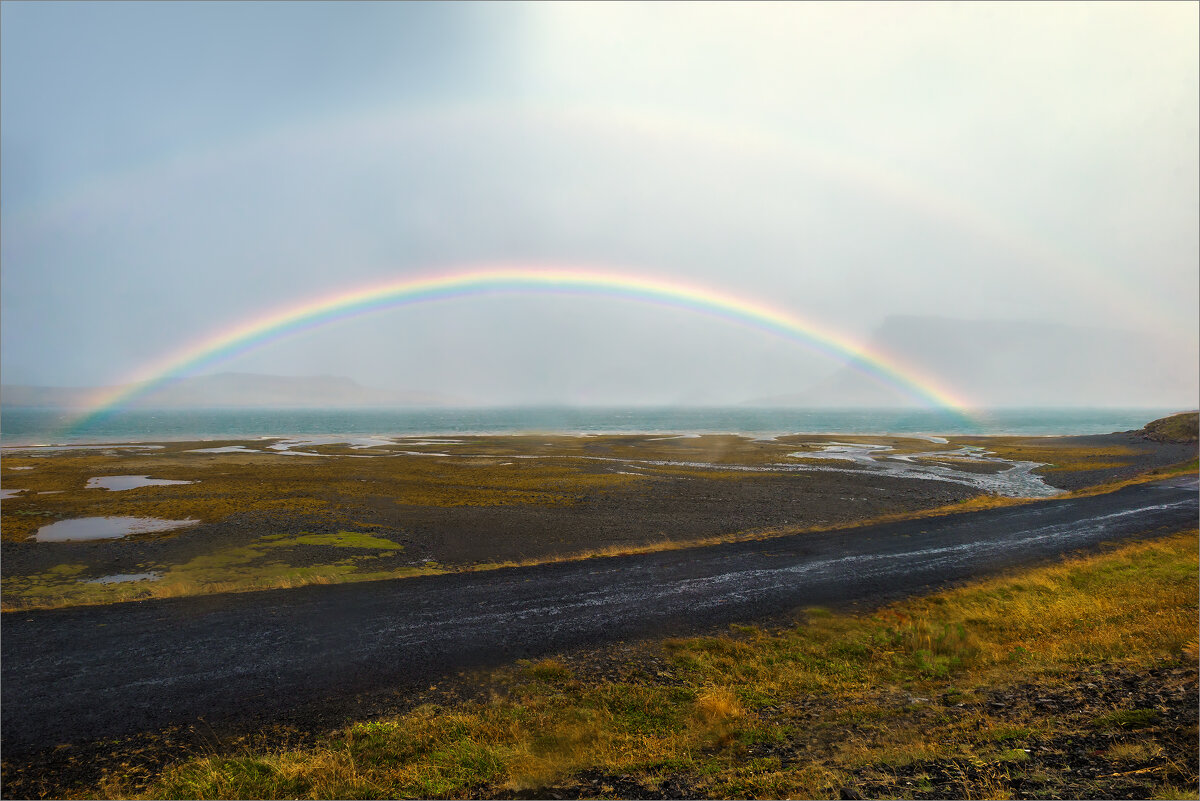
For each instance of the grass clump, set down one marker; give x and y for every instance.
(1129, 719)
(549, 670)
(894, 703)
(1138, 753)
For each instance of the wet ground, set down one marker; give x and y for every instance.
(79, 674)
(310, 655)
(455, 503)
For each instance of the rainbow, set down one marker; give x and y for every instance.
(286, 322)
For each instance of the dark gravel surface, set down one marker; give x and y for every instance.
(1075, 765)
(691, 508)
(74, 675)
(1143, 454)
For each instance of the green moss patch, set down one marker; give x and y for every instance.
(262, 564)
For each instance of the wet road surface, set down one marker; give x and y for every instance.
(78, 674)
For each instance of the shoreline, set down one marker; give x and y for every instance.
(35, 427)
(149, 441)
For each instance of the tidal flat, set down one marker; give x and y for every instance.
(361, 509)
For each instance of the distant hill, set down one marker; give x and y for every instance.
(1016, 363)
(238, 390)
(1182, 427)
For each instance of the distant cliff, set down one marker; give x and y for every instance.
(236, 390)
(1014, 363)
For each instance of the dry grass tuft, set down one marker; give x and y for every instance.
(716, 706)
(1191, 649)
(1134, 752)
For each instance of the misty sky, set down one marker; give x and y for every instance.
(172, 169)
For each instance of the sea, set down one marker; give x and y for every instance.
(29, 426)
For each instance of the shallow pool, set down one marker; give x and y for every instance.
(105, 528)
(129, 482)
(119, 578)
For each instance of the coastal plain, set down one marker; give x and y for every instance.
(271, 513)
(992, 689)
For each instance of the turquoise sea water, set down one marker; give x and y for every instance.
(22, 426)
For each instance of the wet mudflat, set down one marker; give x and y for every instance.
(74, 675)
(373, 508)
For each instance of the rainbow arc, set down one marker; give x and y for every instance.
(224, 345)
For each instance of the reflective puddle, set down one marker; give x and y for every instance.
(118, 578)
(105, 528)
(129, 482)
(9, 493)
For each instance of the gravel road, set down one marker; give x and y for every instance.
(78, 674)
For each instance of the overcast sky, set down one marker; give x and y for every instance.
(172, 169)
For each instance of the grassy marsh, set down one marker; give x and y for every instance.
(468, 504)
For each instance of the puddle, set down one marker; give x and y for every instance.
(105, 528)
(4, 494)
(1182, 482)
(118, 578)
(370, 442)
(225, 449)
(17, 468)
(354, 443)
(118, 483)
